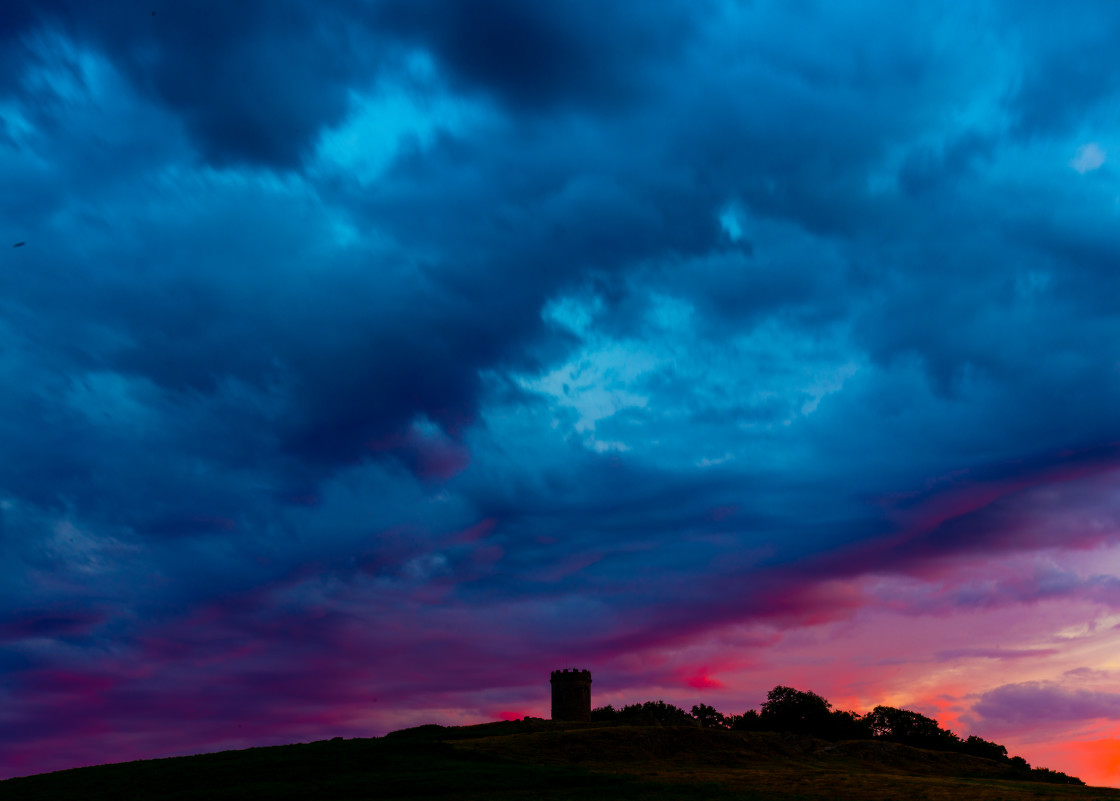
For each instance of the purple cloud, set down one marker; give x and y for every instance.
(1034, 704)
(999, 654)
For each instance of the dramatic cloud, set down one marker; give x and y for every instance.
(1039, 703)
(363, 362)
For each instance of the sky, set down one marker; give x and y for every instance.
(363, 362)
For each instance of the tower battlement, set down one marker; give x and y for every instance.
(571, 695)
(571, 675)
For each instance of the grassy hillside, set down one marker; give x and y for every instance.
(540, 759)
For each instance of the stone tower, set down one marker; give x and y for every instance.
(571, 695)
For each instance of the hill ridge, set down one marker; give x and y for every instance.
(554, 761)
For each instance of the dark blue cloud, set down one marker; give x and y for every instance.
(542, 55)
(252, 83)
(1068, 71)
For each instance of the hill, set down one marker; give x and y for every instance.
(546, 760)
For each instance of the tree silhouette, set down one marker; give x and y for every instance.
(709, 718)
(651, 713)
(845, 725)
(604, 713)
(911, 728)
(805, 713)
(979, 747)
(748, 721)
(787, 709)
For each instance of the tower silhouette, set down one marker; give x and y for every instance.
(571, 695)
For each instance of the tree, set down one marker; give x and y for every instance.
(604, 713)
(844, 725)
(654, 713)
(1052, 776)
(787, 709)
(979, 747)
(709, 718)
(911, 728)
(748, 721)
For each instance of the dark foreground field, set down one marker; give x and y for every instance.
(544, 760)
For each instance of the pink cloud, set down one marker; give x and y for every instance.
(702, 682)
